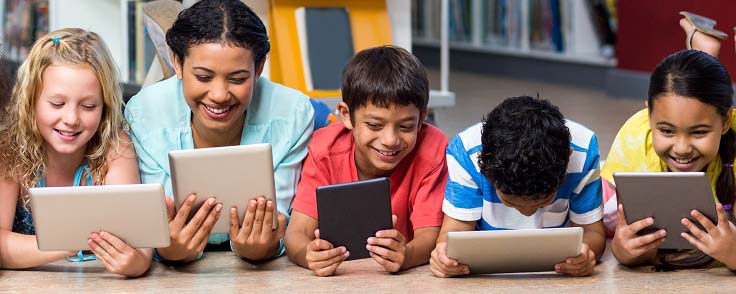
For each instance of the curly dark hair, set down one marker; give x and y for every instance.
(526, 147)
(218, 21)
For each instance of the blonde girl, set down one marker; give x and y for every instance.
(63, 126)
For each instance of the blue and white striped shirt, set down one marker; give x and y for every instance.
(469, 195)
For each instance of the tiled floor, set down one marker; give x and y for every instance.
(477, 94)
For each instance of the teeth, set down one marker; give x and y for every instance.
(217, 110)
(387, 153)
(683, 160)
(67, 133)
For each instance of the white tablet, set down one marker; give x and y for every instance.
(668, 198)
(514, 251)
(232, 174)
(64, 217)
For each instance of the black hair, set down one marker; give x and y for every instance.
(385, 76)
(526, 147)
(698, 75)
(218, 21)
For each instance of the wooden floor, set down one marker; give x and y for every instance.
(222, 272)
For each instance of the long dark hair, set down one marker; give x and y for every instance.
(698, 75)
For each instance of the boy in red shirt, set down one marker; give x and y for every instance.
(383, 134)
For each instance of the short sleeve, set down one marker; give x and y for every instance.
(463, 198)
(427, 205)
(312, 177)
(586, 199)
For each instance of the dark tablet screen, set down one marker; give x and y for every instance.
(350, 213)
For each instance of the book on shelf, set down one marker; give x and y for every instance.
(603, 23)
(141, 50)
(24, 22)
(566, 27)
(460, 20)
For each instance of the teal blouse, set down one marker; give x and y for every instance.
(160, 121)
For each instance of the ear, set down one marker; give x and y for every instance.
(177, 66)
(646, 103)
(344, 112)
(727, 122)
(259, 68)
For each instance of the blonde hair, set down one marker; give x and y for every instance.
(22, 153)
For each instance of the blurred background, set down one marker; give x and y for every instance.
(591, 58)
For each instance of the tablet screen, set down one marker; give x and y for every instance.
(350, 213)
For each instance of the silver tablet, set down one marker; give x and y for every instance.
(64, 217)
(668, 197)
(232, 174)
(514, 251)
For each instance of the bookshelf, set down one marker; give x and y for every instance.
(108, 18)
(571, 31)
(119, 23)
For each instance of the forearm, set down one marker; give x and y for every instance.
(20, 251)
(596, 241)
(296, 248)
(450, 224)
(418, 250)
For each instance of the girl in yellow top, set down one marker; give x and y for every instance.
(686, 127)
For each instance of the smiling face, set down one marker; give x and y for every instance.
(686, 133)
(218, 82)
(525, 206)
(68, 108)
(383, 136)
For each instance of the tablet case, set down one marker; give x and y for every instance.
(668, 197)
(350, 213)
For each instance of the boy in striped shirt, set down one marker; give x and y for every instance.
(523, 167)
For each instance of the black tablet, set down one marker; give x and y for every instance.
(350, 213)
(668, 197)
